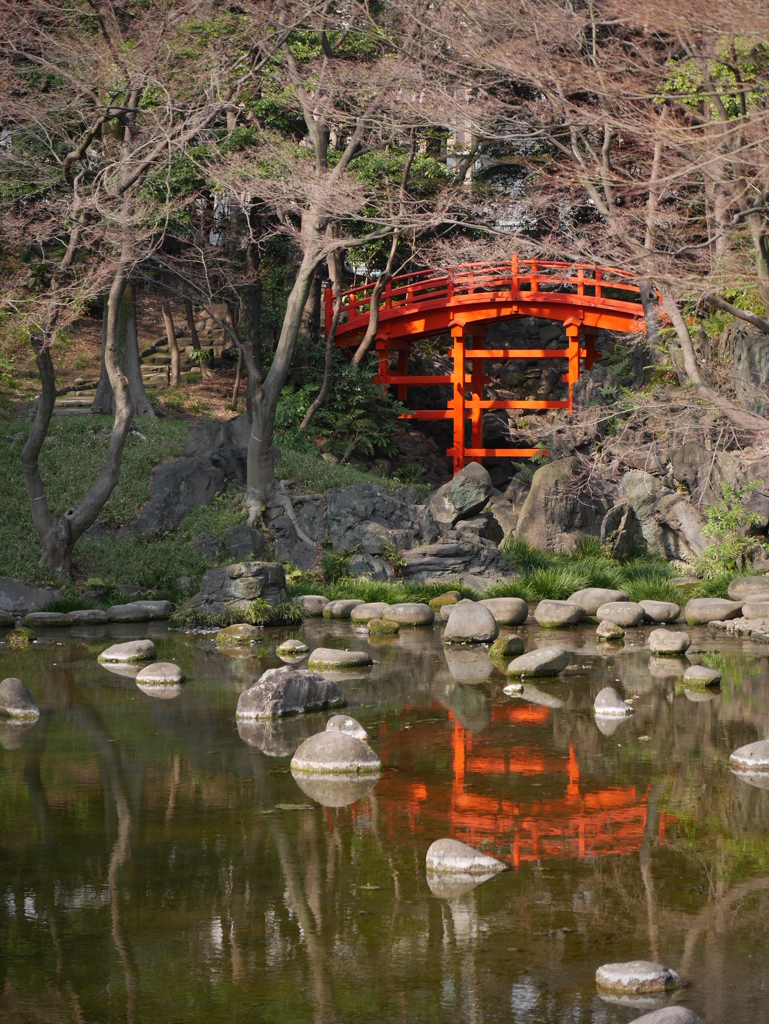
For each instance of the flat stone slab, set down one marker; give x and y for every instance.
(661, 611)
(450, 857)
(329, 657)
(134, 650)
(507, 647)
(365, 612)
(711, 609)
(508, 611)
(670, 1015)
(552, 614)
(288, 691)
(754, 609)
(16, 701)
(745, 587)
(344, 723)
(638, 976)
(623, 613)
(591, 598)
(292, 648)
(471, 623)
(335, 753)
(702, 675)
(88, 617)
(340, 609)
(545, 661)
(607, 630)
(335, 790)
(312, 605)
(140, 611)
(668, 642)
(160, 673)
(38, 619)
(753, 757)
(411, 613)
(608, 702)
(239, 635)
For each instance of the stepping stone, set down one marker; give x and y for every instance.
(140, 611)
(752, 757)
(637, 976)
(344, 723)
(16, 701)
(88, 617)
(160, 673)
(745, 587)
(622, 613)
(365, 612)
(411, 614)
(312, 605)
(335, 753)
(755, 609)
(335, 790)
(507, 647)
(450, 597)
(470, 624)
(382, 627)
(288, 691)
(711, 609)
(508, 611)
(134, 650)
(609, 631)
(47, 619)
(668, 643)
(292, 649)
(340, 609)
(239, 635)
(608, 702)
(552, 614)
(450, 857)
(591, 598)
(545, 661)
(702, 675)
(329, 657)
(660, 611)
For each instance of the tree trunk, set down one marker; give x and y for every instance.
(205, 364)
(651, 312)
(236, 388)
(173, 347)
(335, 272)
(128, 359)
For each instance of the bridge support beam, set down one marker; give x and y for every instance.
(457, 402)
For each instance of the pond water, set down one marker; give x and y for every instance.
(158, 864)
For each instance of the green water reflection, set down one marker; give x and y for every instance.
(158, 863)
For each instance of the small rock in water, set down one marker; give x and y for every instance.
(545, 661)
(622, 613)
(609, 631)
(134, 650)
(329, 657)
(552, 614)
(609, 702)
(340, 609)
(591, 598)
(241, 634)
(506, 647)
(450, 597)
(19, 639)
(660, 611)
(711, 609)
(288, 691)
(508, 611)
(292, 648)
(160, 674)
(636, 976)
(335, 753)
(344, 723)
(365, 612)
(448, 856)
(470, 624)
(16, 701)
(668, 642)
(382, 627)
(410, 613)
(47, 619)
(670, 1015)
(88, 617)
(312, 605)
(752, 757)
(703, 675)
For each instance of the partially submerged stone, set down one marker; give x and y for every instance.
(16, 702)
(47, 619)
(140, 611)
(340, 609)
(670, 1015)
(312, 605)
(470, 623)
(552, 614)
(335, 753)
(702, 675)
(335, 791)
(288, 691)
(450, 857)
(660, 611)
(507, 647)
(711, 609)
(544, 661)
(382, 627)
(347, 724)
(508, 611)
(608, 702)
(609, 630)
(292, 648)
(132, 651)
(744, 588)
(411, 613)
(450, 597)
(623, 613)
(241, 634)
(755, 610)
(365, 612)
(753, 757)
(88, 617)
(160, 673)
(668, 642)
(19, 639)
(591, 598)
(637, 976)
(330, 657)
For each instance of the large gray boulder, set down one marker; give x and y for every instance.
(457, 556)
(140, 611)
(470, 623)
(462, 497)
(668, 642)
(367, 517)
(88, 617)
(552, 614)
(711, 609)
(660, 611)
(335, 753)
(42, 620)
(160, 673)
(19, 598)
(670, 523)
(704, 474)
(341, 609)
(287, 545)
(332, 658)
(312, 605)
(208, 545)
(16, 701)
(410, 613)
(508, 611)
(230, 589)
(288, 691)
(365, 612)
(176, 488)
(748, 588)
(591, 598)
(129, 653)
(560, 508)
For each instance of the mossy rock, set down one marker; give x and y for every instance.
(506, 647)
(239, 635)
(450, 597)
(382, 627)
(19, 639)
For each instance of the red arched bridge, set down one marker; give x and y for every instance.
(464, 300)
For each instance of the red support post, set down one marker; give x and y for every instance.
(572, 333)
(403, 369)
(458, 399)
(328, 300)
(476, 413)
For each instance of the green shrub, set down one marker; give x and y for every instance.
(728, 522)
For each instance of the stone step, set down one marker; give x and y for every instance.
(57, 411)
(73, 403)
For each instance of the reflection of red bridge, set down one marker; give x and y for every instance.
(575, 824)
(464, 300)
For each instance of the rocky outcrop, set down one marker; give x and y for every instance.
(462, 497)
(19, 598)
(370, 519)
(288, 691)
(560, 508)
(457, 556)
(751, 365)
(229, 590)
(621, 531)
(671, 525)
(244, 542)
(176, 488)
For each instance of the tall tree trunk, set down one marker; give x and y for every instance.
(205, 364)
(310, 331)
(251, 304)
(335, 272)
(173, 347)
(128, 359)
(236, 388)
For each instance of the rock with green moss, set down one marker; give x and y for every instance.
(19, 639)
(450, 597)
(239, 635)
(609, 630)
(506, 647)
(382, 627)
(292, 648)
(363, 613)
(330, 657)
(16, 701)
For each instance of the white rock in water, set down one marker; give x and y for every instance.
(470, 624)
(288, 691)
(134, 650)
(609, 702)
(591, 598)
(636, 976)
(660, 611)
(330, 657)
(752, 757)
(622, 613)
(344, 723)
(508, 611)
(16, 701)
(551, 614)
(335, 753)
(609, 630)
(544, 661)
(160, 673)
(668, 642)
(448, 856)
